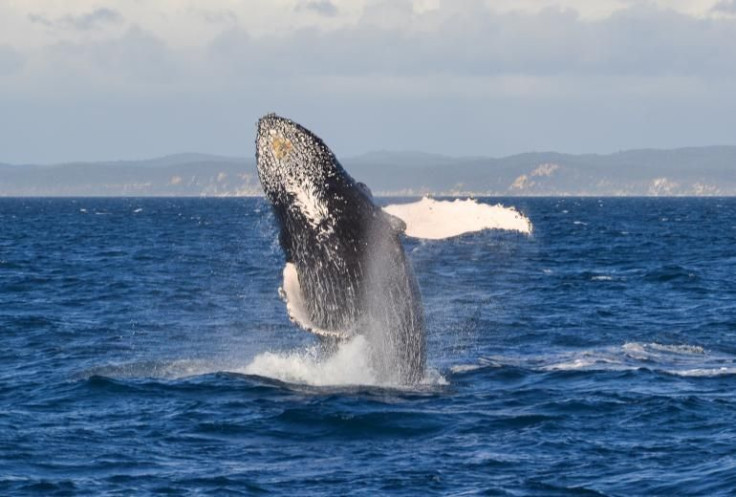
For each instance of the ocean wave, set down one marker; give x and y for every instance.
(674, 359)
(159, 369)
(705, 372)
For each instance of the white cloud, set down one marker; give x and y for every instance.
(642, 41)
(322, 7)
(11, 61)
(188, 23)
(549, 74)
(725, 6)
(397, 38)
(134, 59)
(97, 18)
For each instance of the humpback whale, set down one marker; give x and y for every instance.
(346, 271)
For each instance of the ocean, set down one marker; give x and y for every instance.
(146, 351)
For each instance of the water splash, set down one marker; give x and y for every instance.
(349, 365)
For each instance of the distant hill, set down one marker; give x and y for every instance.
(174, 175)
(686, 171)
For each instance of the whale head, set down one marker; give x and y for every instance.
(301, 176)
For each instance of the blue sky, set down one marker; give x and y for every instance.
(126, 79)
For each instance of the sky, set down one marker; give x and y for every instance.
(131, 79)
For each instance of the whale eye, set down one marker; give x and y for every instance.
(280, 146)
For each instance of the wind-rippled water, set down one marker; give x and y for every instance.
(596, 356)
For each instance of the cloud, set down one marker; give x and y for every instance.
(444, 51)
(462, 39)
(39, 19)
(11, 61)
(456, 77)
(476, 42)
(322, 7)
(95, 18)
(135, 58)
(217, 16)
(725, 6)
(83, 22)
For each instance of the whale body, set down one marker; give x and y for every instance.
(346, 272)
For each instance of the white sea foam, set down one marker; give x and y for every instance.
(668, 358)
(464, 368)
(705, 372)
(161, 369)
(349, 365)
(658, 351)
(675, 359)
(679, 349)
(575, 363)
(437, 219)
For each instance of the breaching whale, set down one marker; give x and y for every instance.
(346, 272)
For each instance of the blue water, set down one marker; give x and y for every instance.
(595, 357)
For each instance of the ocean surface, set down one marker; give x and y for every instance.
(145, 351)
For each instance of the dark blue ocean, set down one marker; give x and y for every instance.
(596, 356)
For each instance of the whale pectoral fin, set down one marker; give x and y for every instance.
(291, 294)
(397, 225)
(296, 305)
(431, 219)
